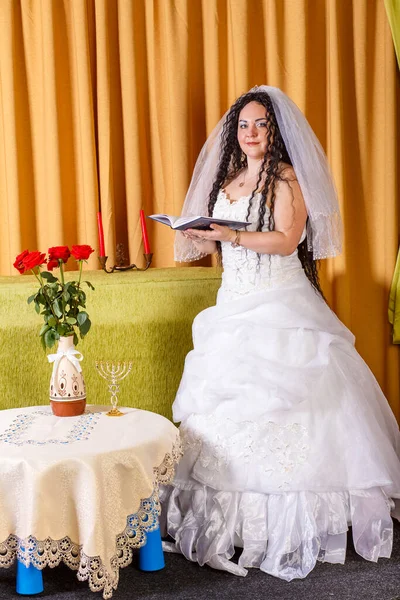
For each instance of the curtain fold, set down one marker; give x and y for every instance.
(393, 13)
(106, 104)
(394, 302)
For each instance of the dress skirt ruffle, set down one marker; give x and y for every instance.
(282, 534)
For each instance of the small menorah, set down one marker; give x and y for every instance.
(113, 373)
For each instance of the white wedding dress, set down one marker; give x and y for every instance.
(287, 436)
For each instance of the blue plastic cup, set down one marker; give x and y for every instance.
(151, 556)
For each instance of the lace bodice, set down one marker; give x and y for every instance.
(243, 271)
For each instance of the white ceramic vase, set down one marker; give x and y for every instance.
(67, 386)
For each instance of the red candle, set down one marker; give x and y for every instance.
(145, 236)
(101, 234)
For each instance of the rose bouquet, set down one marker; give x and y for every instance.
(62, 303)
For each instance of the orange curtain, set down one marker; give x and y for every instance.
(107, 103)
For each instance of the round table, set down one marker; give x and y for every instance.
(82, 490)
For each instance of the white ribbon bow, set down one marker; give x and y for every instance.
(73, 355)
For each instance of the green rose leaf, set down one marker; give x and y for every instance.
(50, 338)
(89, 285)
(52, 321)
(50, 294)
(49, 277)
(84, 328)
(57, 308)
(37, 307)
(44, 328)
(82, 317)
(71, 320)
(76, 339)
(31, 298)
(66, 296)
(62, 329)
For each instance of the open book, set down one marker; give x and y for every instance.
(182, 223)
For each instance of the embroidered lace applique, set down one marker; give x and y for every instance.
(278, 448)
(48, 552)
(18, 431)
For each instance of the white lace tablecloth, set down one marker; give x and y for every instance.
(83, 490)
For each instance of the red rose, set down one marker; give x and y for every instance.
(33, 259)
(52, 264)
(59, 253)
(19, 265)
(81, 252)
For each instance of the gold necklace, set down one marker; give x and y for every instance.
(241, 184)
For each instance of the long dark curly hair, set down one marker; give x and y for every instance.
(232, 160)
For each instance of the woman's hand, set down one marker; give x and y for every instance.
(218, 233)
(200, 240)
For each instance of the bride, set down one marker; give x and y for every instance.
(288, 439)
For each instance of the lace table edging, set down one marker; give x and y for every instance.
(50, 553)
